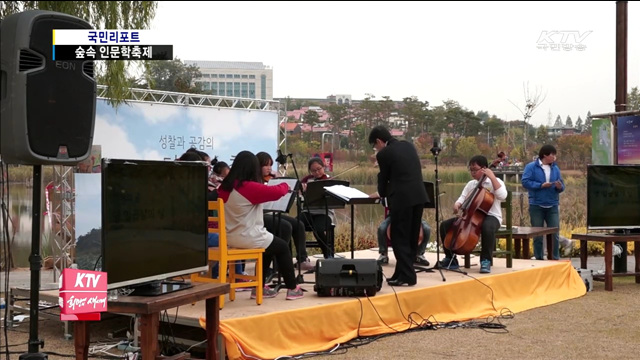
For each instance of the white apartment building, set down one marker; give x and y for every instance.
(252, 80)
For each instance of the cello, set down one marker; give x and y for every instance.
(464, 233)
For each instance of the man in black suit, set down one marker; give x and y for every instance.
(400, 181)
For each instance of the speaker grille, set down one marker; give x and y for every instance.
(30, 60)
(60, 100)
(87, 68)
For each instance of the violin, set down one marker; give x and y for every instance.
(462, 237)
(268, 177)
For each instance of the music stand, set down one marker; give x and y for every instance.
(285, 203)
(316, 198)
(353, 201)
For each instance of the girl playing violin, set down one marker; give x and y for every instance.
(289, 227)
(219, 172)
(317, 218)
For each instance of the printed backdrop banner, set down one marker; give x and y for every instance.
(629, 140)
(164, 132)
(602, 142)
(160, 132)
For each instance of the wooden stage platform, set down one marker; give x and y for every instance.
(281, 327)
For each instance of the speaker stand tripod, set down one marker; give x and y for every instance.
(282, 160)
(35, 261)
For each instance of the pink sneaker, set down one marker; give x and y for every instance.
(267, 292)
(295, 294)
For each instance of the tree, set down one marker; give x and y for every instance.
(568, 123)
(467, 147)
(542, 135)
(576, 150)
(310, 117)
(457, 120)
(587, 123)
(414, 113)
(385, 107)
(102, 15)
(531, 103)
(172, 75)
(495, 128)
(579, 124)
(633, 99)
(340, 119)
(558, 122)
(367, 111)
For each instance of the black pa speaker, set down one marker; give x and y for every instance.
(48, 107)
(348, 277)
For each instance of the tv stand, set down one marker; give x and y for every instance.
(159, 288)
(608, 254)
(149, 309)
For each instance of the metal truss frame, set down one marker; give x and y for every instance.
(61, 210)
(175, 98)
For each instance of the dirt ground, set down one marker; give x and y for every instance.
(599, 325)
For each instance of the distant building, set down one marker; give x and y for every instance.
(252, 80)
(291, 128)
(344, 99)
(561, 131)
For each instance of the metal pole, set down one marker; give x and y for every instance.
(620, 262)
(36, 263)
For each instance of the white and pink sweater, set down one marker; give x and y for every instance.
(243, 213)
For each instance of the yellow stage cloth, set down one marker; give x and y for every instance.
(320, 328)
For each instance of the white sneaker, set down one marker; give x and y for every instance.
(568, 250)
(567, 244)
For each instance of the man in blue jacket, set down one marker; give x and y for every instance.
(544, 182)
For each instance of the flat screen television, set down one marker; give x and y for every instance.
(154, 222)
(613, 197)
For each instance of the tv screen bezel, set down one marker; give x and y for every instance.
(589, 207)
(106, 162)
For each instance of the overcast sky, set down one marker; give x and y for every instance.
(480, 54)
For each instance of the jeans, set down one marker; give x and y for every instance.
(382, 236)
(212, 241)
(540, 216)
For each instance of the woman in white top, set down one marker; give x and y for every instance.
(243, 194)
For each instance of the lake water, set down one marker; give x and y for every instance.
(20, 205)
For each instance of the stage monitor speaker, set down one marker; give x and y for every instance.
(48, 107)
(348, 277)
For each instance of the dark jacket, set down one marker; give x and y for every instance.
(400, 176)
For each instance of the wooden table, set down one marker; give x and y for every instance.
(522, 234)
(608, 240)
(149, 308)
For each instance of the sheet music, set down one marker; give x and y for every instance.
(346, 193)
(284, 203)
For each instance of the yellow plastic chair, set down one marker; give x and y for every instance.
(227, 257)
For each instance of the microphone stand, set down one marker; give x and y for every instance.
(435, 150)
(282, 160)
